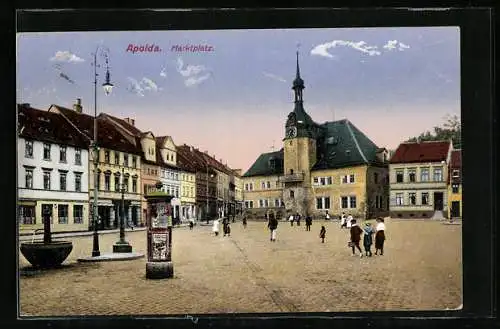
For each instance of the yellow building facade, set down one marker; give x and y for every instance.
(263, 195)
(455, 185)
(330, 167)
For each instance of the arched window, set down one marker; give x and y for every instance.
(292, 194)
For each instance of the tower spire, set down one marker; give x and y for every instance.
(298, 83)
(297, 75)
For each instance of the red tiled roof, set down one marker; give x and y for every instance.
(49, 127)
(456, 159)
(421, 152)
(108, 135)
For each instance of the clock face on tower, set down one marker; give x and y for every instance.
(291, 132)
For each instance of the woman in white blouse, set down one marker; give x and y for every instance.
(380, 236)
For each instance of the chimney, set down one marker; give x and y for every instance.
(130, 121)
(78, 105)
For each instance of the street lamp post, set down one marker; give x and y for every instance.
(122, 245)
(95, 148)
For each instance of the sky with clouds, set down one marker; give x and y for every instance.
(231, 97)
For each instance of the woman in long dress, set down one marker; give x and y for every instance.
(380, 236)
(215, 227)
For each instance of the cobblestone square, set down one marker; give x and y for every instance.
(421, 269)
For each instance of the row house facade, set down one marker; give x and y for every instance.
(330, 167)
(223, 179)
(419, 180)
(52, 172)
(119, 168)
(188, 188)
(205, 181)
(238, 190)
(170, 173)
(159, 161)
(455, 185)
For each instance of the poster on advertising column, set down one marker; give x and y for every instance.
(160, 250)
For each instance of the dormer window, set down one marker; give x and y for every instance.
(272, 163)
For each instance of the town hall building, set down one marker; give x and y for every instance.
(330, 167)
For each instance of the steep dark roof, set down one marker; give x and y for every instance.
(48, 127)
(108, 135)
(133, 129)
(429, 151)
(184, 162)
(194, 157)
(456, 159)
(263, 166)
(342, 144)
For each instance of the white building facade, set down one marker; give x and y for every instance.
(51, 176)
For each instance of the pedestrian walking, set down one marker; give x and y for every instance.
(368, 239)
(380, 236)
(227, 228)
(298, 219)
(308, 222)
(272, 225)
(322, 234)
(215, 227)
(356, 232)
(291, 219)
(327, 215)
(349, 221)
(191, 224)
(343, 221)
(244, 221)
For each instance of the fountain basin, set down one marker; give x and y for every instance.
(46, 255)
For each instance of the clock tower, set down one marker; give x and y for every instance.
(299, 152)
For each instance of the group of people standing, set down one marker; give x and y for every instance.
(346, 221)
(368, 232)
(226, 228)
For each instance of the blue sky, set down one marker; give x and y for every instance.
(233, 101)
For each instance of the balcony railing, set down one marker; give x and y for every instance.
(296, 177)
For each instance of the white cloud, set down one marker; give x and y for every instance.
(141, 87)
(391, 44)
(149, 84)
(395, 44)
(274, 76)
(322, 49)
(66, 56)
(402, 46)
(193, 74)
(135, 87)
(193, 81)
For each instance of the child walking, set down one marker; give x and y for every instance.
(368, 239)
(322, 234)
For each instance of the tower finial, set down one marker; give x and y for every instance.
(297, 75)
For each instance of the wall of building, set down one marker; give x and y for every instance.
(419, 210)
(68, 225)
(338, 189)
(37, 195)
(188, 195)
(377, 188)
(454, 197)
(262, 192)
